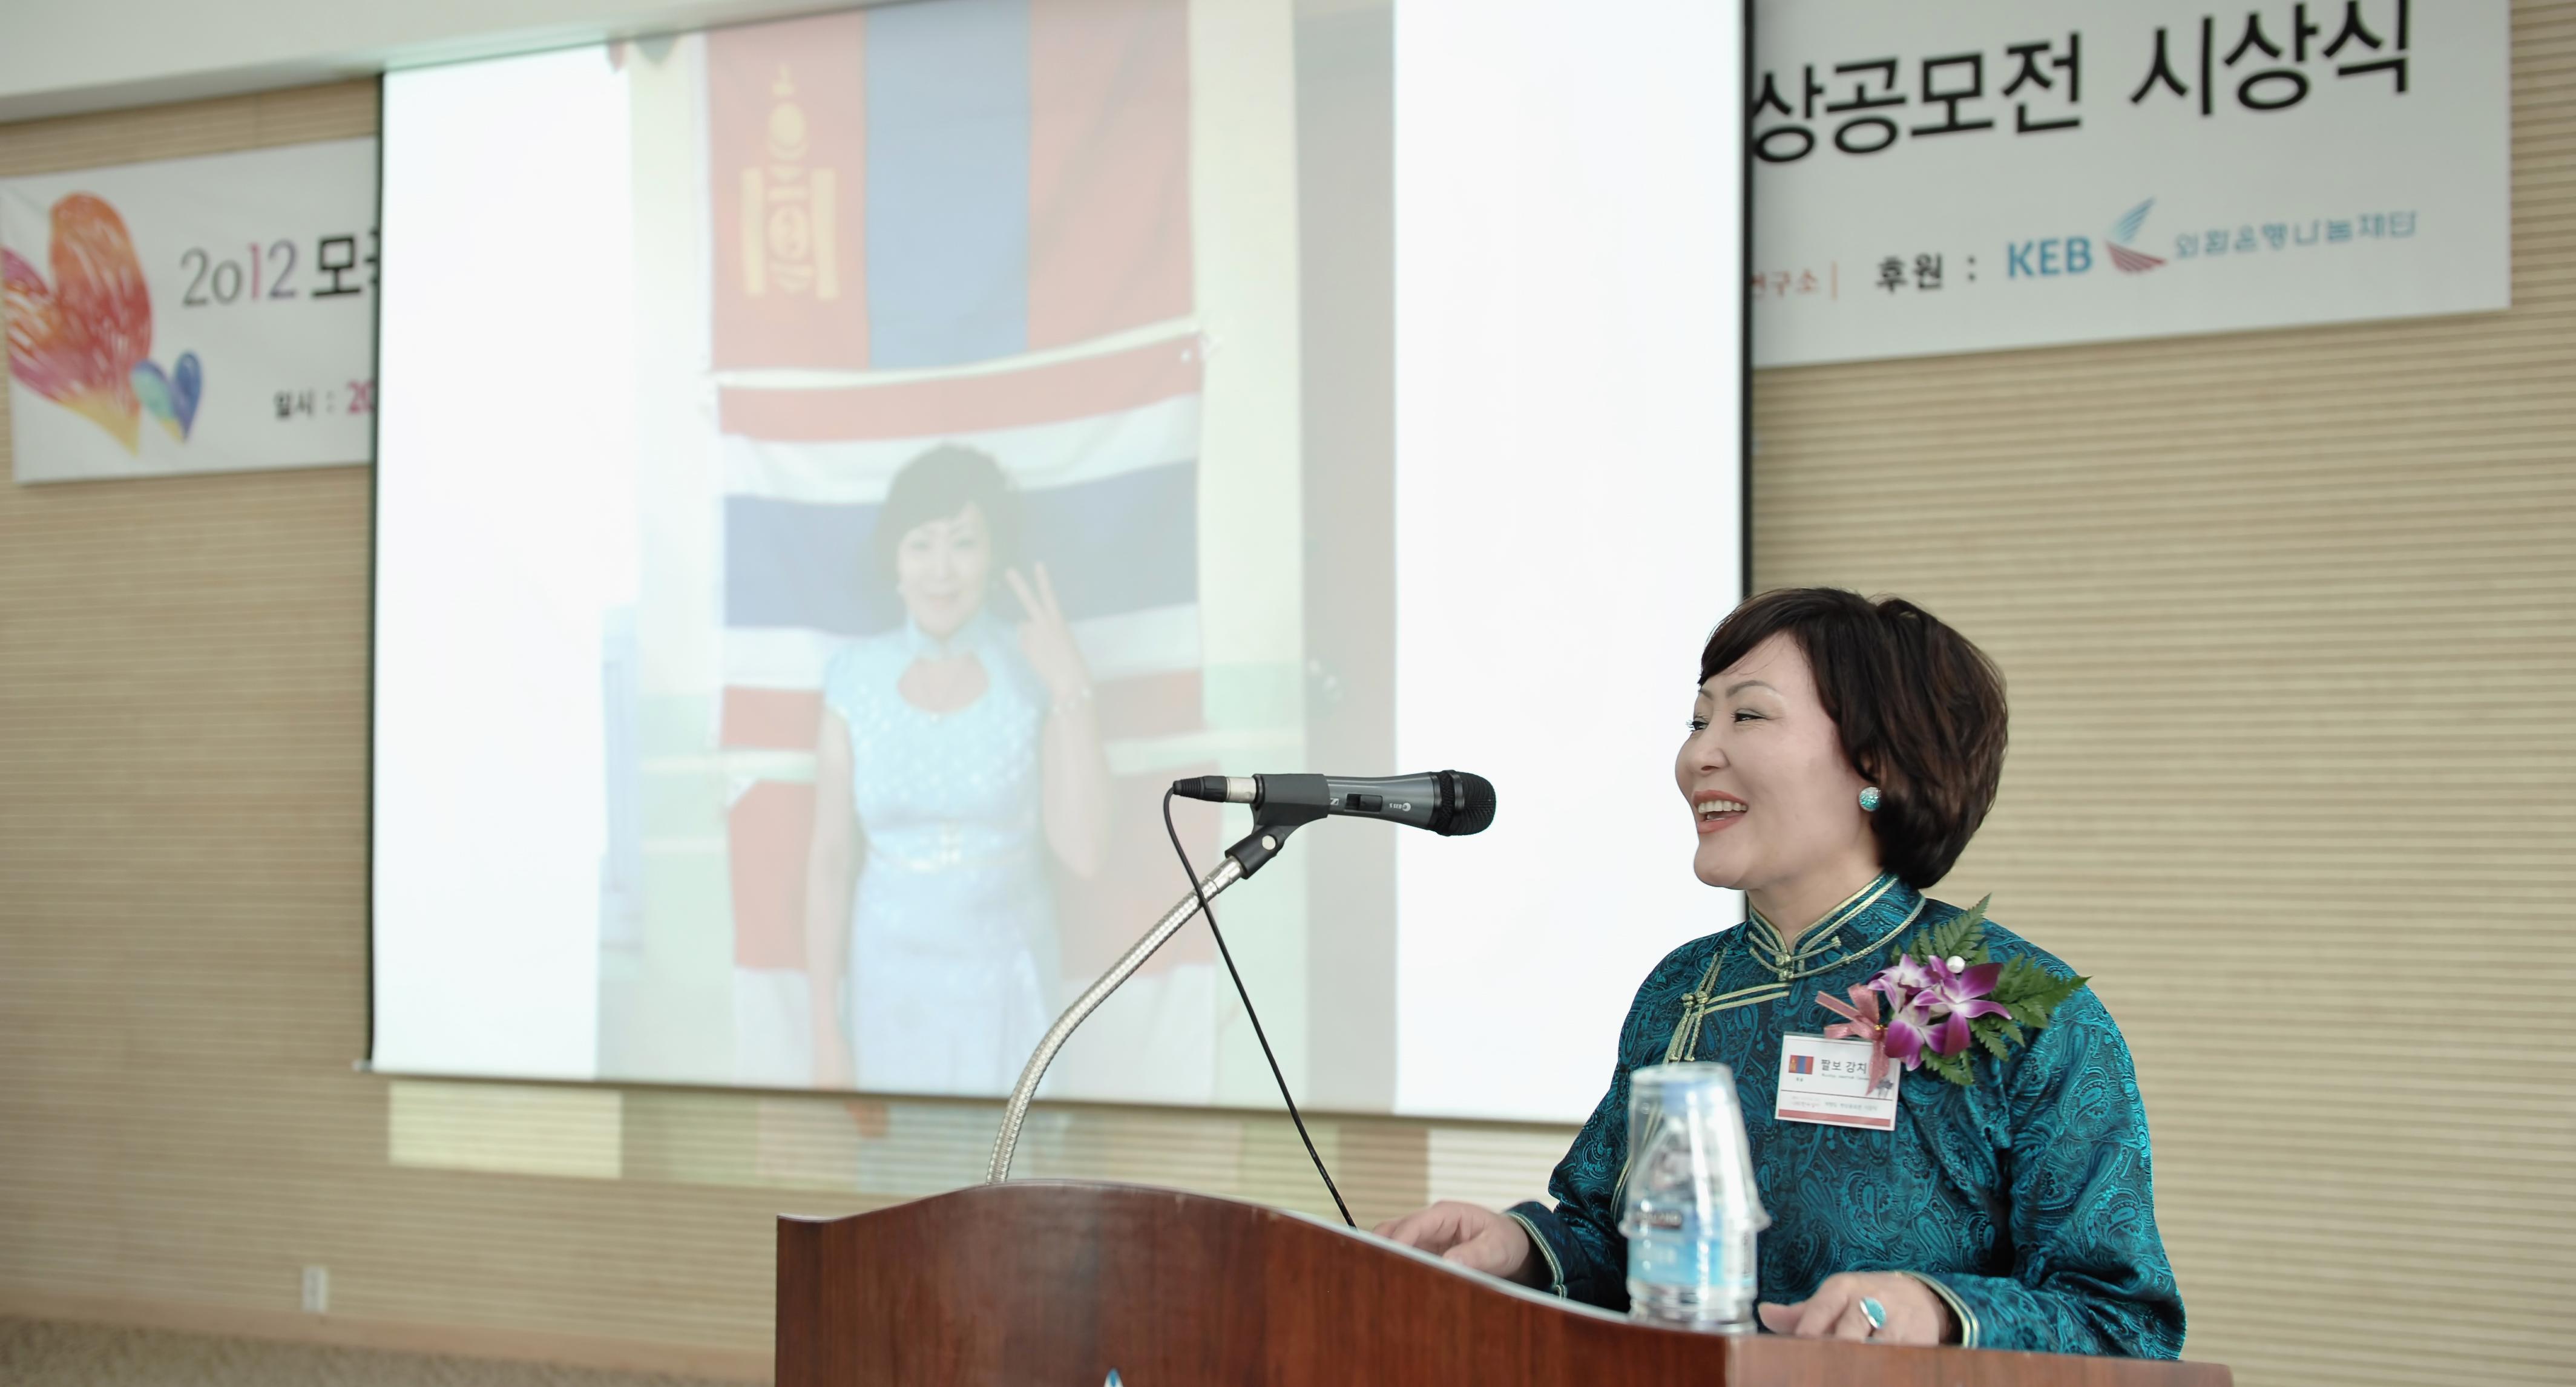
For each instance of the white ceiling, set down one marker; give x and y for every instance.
(61, 57)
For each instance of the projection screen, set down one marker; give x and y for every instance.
(834, 473)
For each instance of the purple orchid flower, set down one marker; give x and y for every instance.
(1907, 1032)
(1959, 995)
(1905, 974)
(1932, 1001)
(1907, 984)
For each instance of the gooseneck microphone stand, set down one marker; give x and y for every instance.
(1272, 823)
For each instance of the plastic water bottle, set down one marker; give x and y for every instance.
(1692, 1210)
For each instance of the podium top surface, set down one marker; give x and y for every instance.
(1043, 1281)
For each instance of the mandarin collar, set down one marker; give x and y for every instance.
(1862, 925)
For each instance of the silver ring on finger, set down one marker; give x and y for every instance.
(1873, 1312)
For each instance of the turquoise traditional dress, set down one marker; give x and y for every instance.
(2026, 1201)
(952, 970)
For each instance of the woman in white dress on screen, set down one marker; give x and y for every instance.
(957, 754)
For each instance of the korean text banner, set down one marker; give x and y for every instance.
(196, 315)
(1953, 178)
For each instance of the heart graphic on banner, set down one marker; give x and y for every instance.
(171, 398)
(187, 386)
(78, 341)
(127, 319)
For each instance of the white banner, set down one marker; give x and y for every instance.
(198, 315)
(1952, 178)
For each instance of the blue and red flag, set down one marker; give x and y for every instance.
(965, 221)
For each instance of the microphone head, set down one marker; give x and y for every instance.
(1475, 806)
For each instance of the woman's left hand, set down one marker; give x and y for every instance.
(1914, 1314)
(1047, 639)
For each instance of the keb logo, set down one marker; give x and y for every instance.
(2048, 258)
(2057, 256)
(2128, 259)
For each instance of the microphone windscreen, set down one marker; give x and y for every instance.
(1475, 808)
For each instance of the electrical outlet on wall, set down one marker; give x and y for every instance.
(317, 1290)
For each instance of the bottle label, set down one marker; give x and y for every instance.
(1680, 1260)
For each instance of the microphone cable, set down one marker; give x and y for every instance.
(1192, 874)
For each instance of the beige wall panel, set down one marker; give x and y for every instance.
(2285, 617)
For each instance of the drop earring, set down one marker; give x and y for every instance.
(1869, 799)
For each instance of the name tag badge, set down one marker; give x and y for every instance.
(1827, 1081)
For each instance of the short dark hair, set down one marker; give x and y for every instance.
(940, 484)
(1921, 712)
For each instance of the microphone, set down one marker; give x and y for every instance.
(1449, 803)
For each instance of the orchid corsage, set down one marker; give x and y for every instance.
(1944, 994)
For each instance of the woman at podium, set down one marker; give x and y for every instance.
(1841, 753)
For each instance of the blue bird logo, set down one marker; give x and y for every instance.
(2127, 260)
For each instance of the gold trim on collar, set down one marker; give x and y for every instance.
(1768, 939)
(1705, 1001)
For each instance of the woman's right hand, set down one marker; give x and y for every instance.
(1472, 1236)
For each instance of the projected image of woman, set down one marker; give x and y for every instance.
(957, 754)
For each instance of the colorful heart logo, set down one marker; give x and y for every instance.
(187, 386)
(172, 398)
(78, 340)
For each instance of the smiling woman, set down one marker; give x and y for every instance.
(1821, 700)
(956, 757)
(1841, 753)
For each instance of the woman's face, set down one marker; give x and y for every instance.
(1763, 772)
(941, 568)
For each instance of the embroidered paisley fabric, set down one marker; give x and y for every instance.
(2028, 1200)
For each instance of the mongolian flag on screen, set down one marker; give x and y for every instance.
(959, 221)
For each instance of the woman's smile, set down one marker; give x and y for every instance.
(1716, 811)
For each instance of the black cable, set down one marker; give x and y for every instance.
(1228, 955)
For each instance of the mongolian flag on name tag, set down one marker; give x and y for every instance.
(1802, 1064)
(951, 222)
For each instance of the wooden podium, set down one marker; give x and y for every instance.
(1058, 1282)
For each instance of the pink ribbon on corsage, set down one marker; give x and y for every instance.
(1862, 1024)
